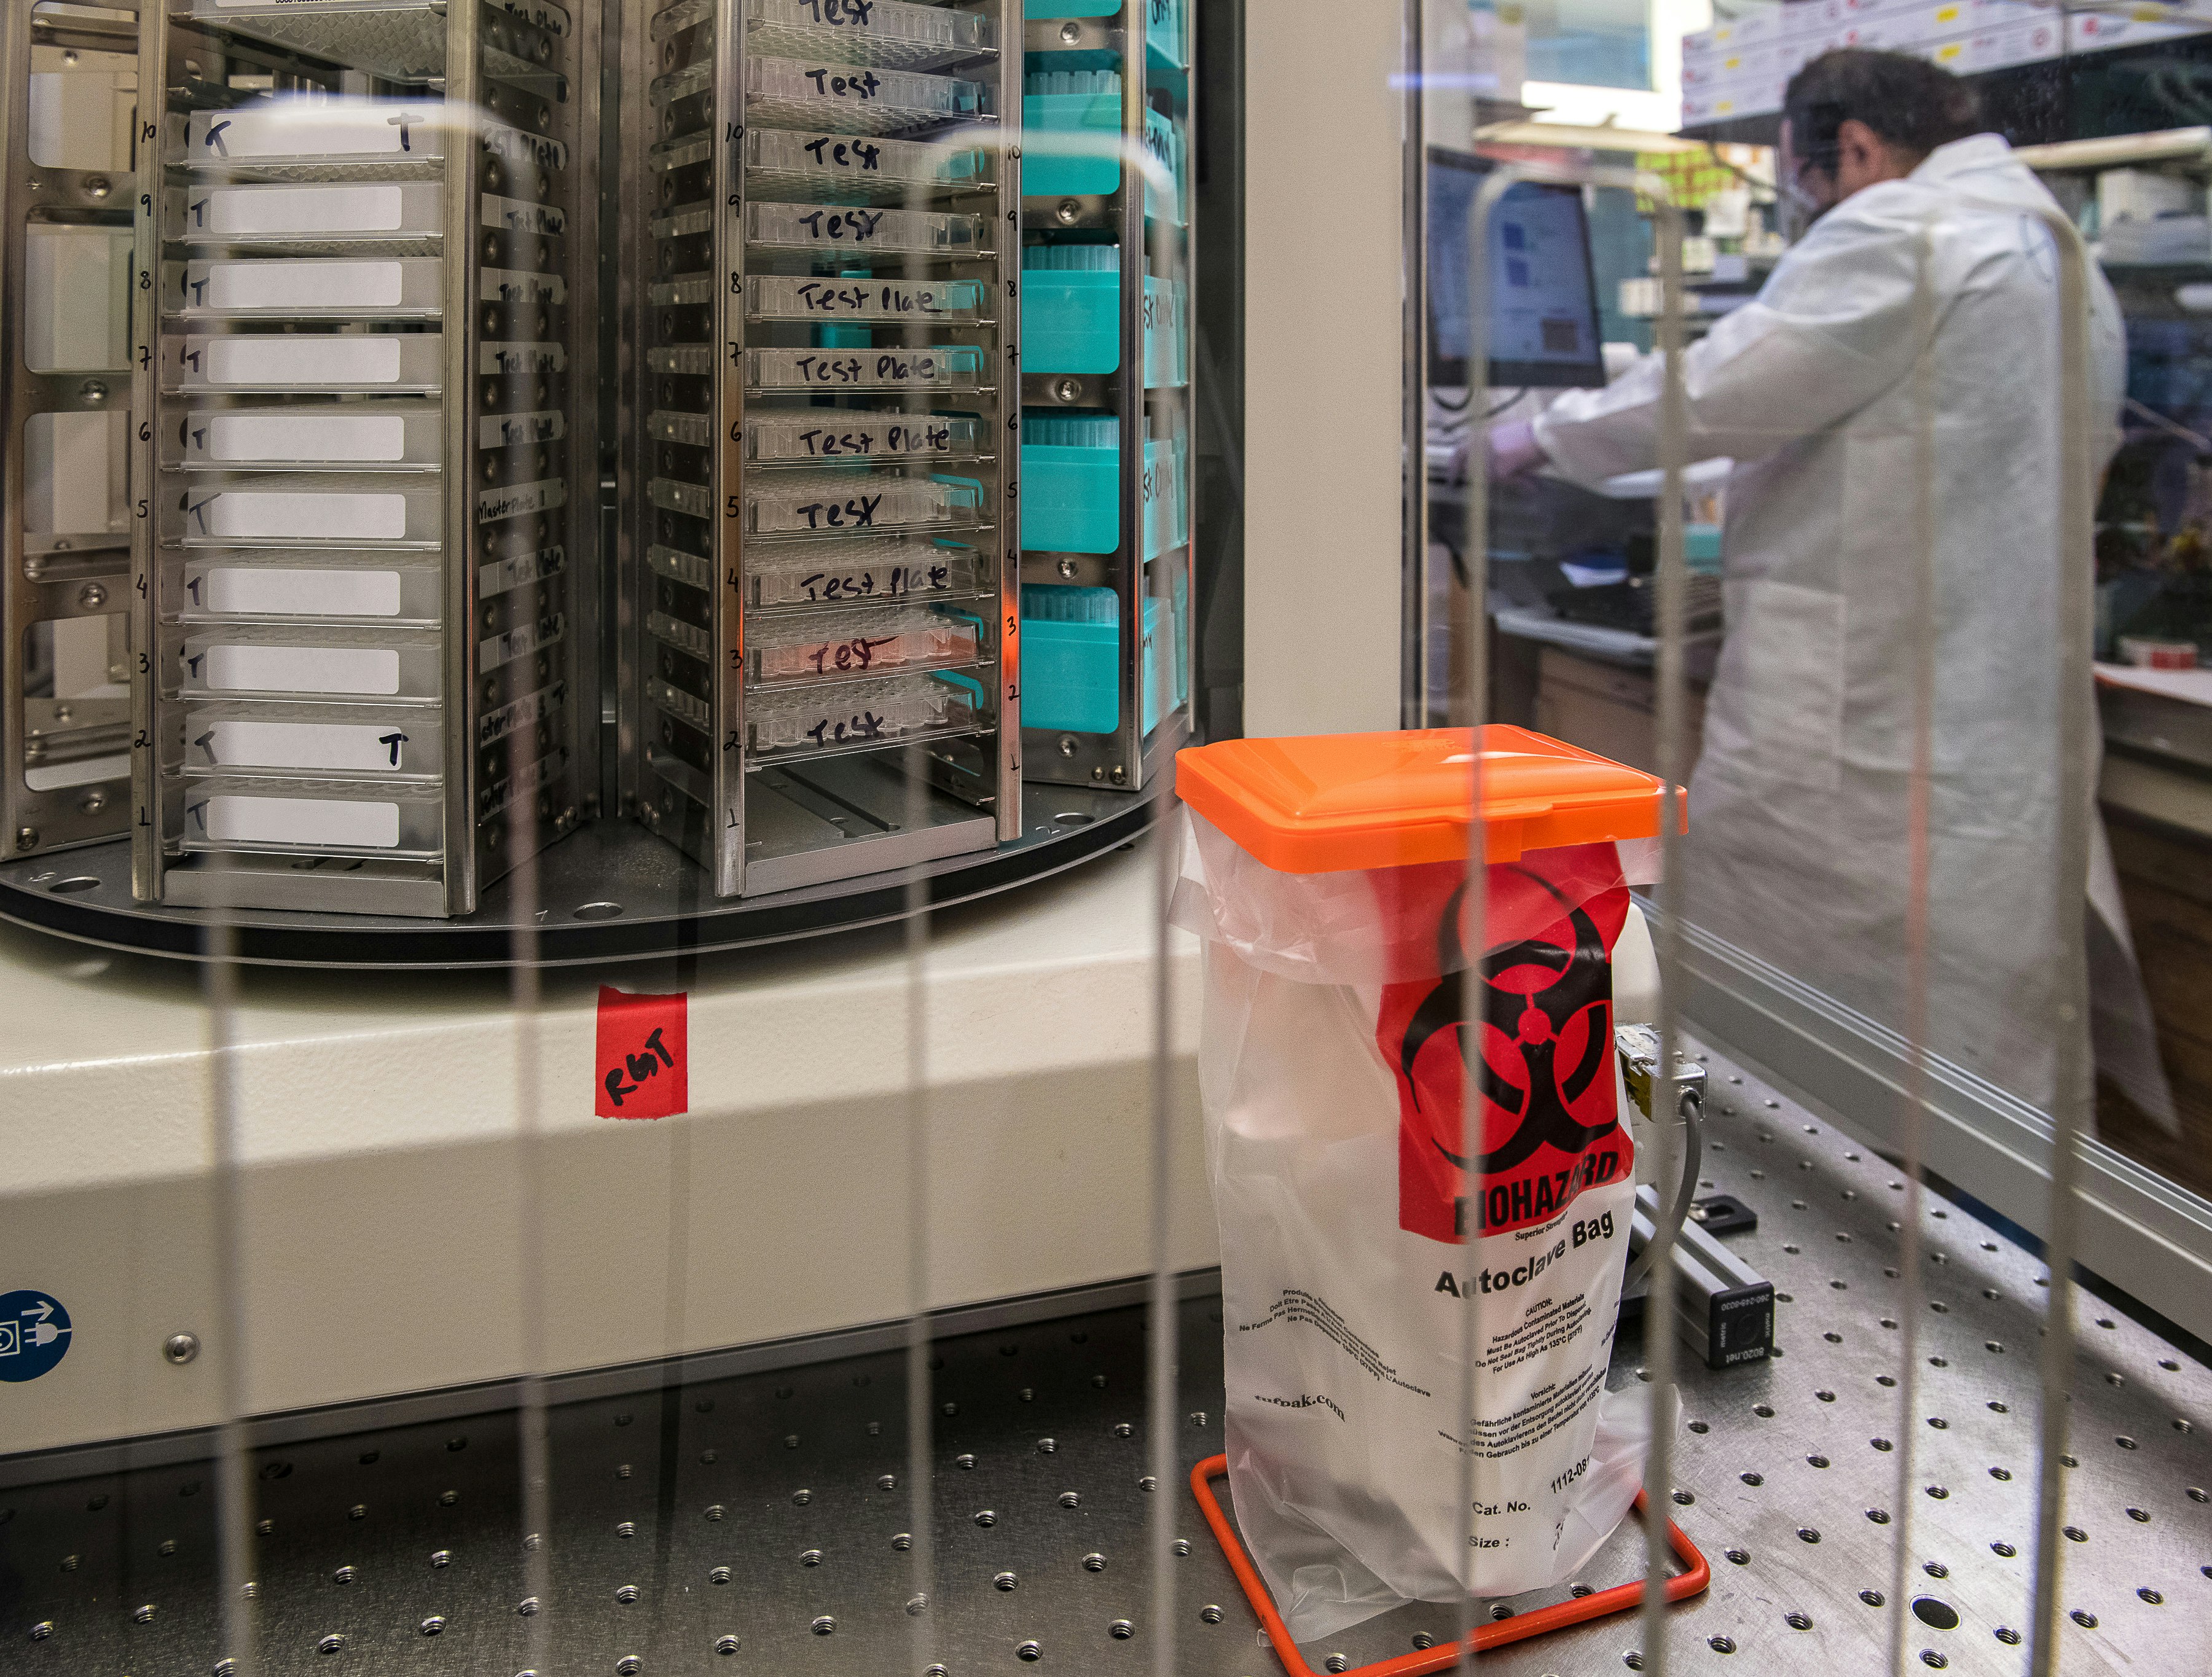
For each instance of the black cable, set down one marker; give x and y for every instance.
(1509, 401)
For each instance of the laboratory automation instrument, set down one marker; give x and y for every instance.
(439, 430)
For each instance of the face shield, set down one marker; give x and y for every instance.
(1795, 209)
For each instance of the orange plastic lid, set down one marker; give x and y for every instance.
(1323, 803)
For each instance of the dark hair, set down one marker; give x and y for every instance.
(1907, 101)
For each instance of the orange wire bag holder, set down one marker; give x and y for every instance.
(1691, 1581)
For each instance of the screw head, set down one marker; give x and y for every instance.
(180, 1348)
(1067, 389)
(93, 802)
(93, 390)
(1067, 743)
(92, 596)
(98, 186)
(27, 838)
(1069, 212)
(1070, 32)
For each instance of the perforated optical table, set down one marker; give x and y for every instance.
(743, 1512)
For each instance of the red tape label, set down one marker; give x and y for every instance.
(642, 1069)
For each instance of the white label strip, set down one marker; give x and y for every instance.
(298, 594)
(279, 284)
(323, 362)
(255, 668)
(228, 818)
(247, 211)
(371, 748)
(252, 515)
(308, 128)
(303, 437)
(515, 430)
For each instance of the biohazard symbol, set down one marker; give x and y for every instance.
(1535, 1021)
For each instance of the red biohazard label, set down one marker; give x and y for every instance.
(642, 1069)
(1539, 1040)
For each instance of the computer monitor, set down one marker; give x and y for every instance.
(1543, 287)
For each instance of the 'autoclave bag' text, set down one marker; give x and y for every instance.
(1342, 1014)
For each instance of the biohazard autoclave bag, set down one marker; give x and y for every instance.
(1343, 1014)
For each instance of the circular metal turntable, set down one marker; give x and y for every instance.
(610, 891)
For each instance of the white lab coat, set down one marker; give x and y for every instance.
(1799, 809)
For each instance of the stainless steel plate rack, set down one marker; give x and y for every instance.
(366, 625)
(818, 629)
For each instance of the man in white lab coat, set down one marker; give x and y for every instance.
(1919, 311)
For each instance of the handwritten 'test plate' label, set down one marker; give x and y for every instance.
(642, 1066)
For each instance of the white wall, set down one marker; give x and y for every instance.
(1322, 366)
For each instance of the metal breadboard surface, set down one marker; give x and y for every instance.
(761, 1523)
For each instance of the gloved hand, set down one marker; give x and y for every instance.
(1514, 450)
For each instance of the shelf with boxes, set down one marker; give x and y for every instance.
(819, 617)
(1106, 327)
(1738, 68)
(364, 621)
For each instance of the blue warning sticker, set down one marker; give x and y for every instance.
(35, 1334)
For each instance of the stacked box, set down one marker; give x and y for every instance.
(1741, 69)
